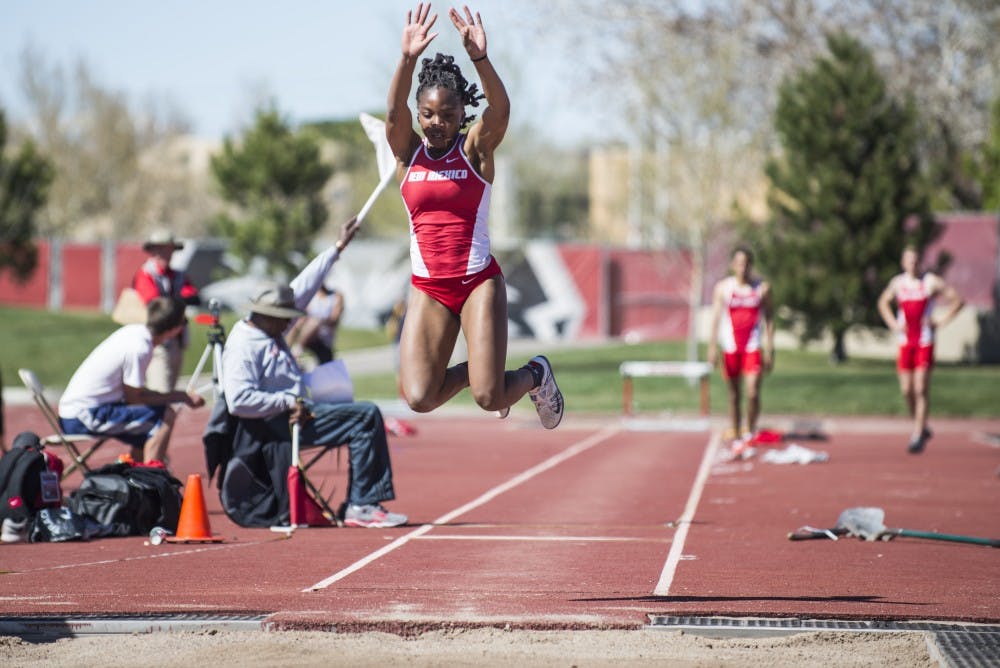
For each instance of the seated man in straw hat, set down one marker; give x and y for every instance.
(107, 394)
(263, 389)
(156, 278)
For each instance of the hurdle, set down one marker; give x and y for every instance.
(692, 371)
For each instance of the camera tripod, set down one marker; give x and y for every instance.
(213, 349)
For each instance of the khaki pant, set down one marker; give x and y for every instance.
(165, 366)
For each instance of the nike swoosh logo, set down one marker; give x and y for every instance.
(466, 282)
(448, 161)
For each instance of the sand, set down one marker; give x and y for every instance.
(475, 647)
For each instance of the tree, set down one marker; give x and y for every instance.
(696, 60)
(113, 177)
(24, 182)
(273, 179)
(845, 193)
(988, 168)
(550, 195)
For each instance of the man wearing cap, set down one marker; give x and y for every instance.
(155, 278)
(108, 396)
(263, 389)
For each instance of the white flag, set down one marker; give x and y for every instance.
(375, 129)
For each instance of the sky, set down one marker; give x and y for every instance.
(317, 59)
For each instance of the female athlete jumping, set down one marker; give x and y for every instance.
(446, 180)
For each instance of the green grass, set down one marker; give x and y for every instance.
(802, 384)
(53, 344)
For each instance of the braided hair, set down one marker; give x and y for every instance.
(442, 72)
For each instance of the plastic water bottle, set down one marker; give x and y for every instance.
(157, 535)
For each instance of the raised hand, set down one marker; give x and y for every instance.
(300, 414)
(347, 231)
(471, 30)
(194, 400)
(415, 37)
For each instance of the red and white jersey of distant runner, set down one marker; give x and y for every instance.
(740, 328)
(448, 204)
(915, 303)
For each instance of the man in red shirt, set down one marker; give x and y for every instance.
(155, 278)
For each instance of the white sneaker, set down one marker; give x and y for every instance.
(547, 398)
(372, 516)
(14, 531)
(741, 449)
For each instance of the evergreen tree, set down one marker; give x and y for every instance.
(273, 178)
(24, 185)
(989, 164)
(845, 194)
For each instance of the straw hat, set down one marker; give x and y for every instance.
(160, 238)
(275, 300)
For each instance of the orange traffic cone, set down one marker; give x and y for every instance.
(192, 527)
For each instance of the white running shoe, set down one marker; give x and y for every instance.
(372, 516)
(547, 398)
(14, 531)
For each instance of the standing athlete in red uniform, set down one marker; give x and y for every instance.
(915, 293)
(741, 318)
(446, 181)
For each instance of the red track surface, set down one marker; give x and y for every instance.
(514, 525)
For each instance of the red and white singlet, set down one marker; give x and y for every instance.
(740, 327)
(448, 204)
(914, 307)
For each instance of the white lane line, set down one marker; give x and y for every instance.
(684, 523)
(161, 555)
(572, 451)
(587, 539)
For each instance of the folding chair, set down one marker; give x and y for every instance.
(68, 441)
